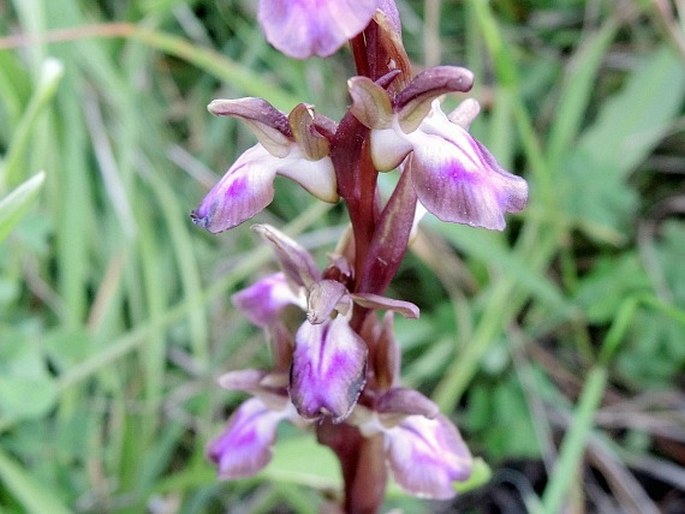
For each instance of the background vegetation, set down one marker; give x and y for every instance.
(558, 347)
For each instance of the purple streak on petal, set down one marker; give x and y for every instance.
(262, 302)
(458, 180)
(516, 195)
(427, 455)
(245, 190)
(303, 28)
(328, 370)
(244, 447)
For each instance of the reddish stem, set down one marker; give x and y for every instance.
(361, 63)
(363, 466)
(365, 210)
(365, 493)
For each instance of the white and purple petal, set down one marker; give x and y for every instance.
(262, 302)
(458, 180)
(328, 369)
(244, 446)
(304, 28)
(316, 176)
(245, 190)
(247, 187)
(427, 455)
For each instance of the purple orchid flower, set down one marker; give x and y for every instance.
(304, 28)
(426, 456)
(335, 361)
(328, 370)
(289, 146)
(328, 367)
(423, 449)
(244, 446)
(455, 177)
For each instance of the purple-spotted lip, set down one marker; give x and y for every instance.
(426, 456)
(243, 448)
(328, 370)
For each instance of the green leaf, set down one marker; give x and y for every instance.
(632, 122)
(608, 284)
(653, 354)
(574, 96)
(320, 468)
(626, 131)
(11, 172)
(499, 415)
(26, 388)
(16, 203)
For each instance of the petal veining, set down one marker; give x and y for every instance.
(328, 369)
(244, 446)
(427, 455)
(245, 190)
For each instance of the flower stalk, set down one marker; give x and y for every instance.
(336, 360)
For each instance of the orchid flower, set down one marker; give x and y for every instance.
(328, 366)
(244, 446)
(290, 146)
(455, 177)
(423, 449)
(336, 361)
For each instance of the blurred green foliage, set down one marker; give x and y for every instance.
(114, 311)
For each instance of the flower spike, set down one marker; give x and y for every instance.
(455, 177)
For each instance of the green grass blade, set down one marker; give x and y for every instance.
(10, 174)
(574, 96)
(573, 446)
(14, 206)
